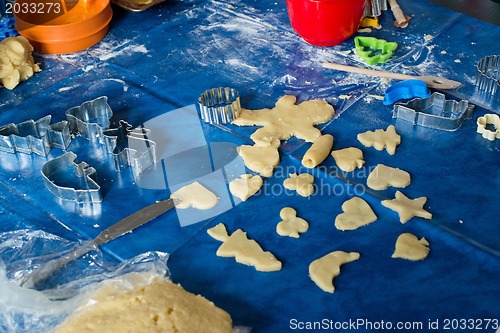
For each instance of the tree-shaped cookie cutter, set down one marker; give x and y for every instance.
(434, 112)
(488, 74)
(89, 192)
(374, 51)
(36, 137)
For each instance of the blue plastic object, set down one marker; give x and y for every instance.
(406, 90)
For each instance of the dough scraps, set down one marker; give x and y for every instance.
(348, 159)
(194, 195)
(323, 270)
(260, 159)
(157, 306)
(318, 152)
(245, 186)
(285, 120)
(291, 225)
(245, 251)
(407, 208)
(302, 183)
(16, 61)
(384, 176)
(381, 139)
(408, 246)
(356, 213)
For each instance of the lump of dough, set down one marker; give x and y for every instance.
(159, 306)
(381, 139)
(318, 152)
(323, 270)
(302, 183)
(291, 225)
(16, 61)
(356, 213)
(384, 176)
(245, 251)
(408, 246)
(285, 120)
(348, 159)
(194, 195)
(245, 186)
(260, 159)
(407, 208)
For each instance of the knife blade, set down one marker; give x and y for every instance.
(116, 230)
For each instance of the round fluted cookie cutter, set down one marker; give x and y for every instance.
(487, 75)
(219, 105)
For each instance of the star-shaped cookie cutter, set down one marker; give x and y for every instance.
(434, 112)
(89, 192)
(130, 147)
(90, 119)
(35, 136)
(374, 51)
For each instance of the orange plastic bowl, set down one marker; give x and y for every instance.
(73, 29)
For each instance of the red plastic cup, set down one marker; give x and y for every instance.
(325, 22)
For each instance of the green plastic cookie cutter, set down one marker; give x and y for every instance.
(374, 51)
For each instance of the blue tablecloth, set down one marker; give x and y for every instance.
(153, 66)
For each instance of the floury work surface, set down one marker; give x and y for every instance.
(154, 65)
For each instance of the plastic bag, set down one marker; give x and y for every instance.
(29, 310)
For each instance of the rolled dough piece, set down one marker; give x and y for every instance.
(407, 208)
(16, 61)
(384, 176)
(245, 251)
(323, 270)
(348, 159)
(408, 246)
(291, 225)
(302, 183)
(159, 306)
(260, 159)
(318, 152)
(194, 195)
(357, 213)
(285, 120)
(245, 186)
(381, 139)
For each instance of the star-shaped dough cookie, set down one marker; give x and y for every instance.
(285, 120)
(381, 139)
(407, 208)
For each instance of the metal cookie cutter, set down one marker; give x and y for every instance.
(219, 105)
(434, 112)
(136, 5)
(488, 75)
(35, 136)
(492, 119)
(130, 147)
(90, 118)
(56, 171)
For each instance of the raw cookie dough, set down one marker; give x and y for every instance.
(194, 195)
(323, 270)
(408, 246)
(158, 306)
(260, 159)
(302, 183)
(381, 139)
(291, 225)
(245, 251)
(357, 213)
(348, 159)
(245, 186)
(318, 152)
(285, 120)
(407, 208)
(16, 61)
(384, 176)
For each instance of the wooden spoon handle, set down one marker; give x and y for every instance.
(361, 70)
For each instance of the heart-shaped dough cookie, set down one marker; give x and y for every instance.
(194, 195)
(245, 186)
(357, 213)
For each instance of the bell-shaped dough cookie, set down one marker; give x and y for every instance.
(384, 176)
